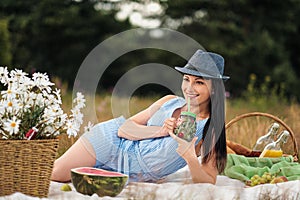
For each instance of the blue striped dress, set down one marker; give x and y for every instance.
(143, 160)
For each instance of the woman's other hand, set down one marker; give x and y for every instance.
(185, 149)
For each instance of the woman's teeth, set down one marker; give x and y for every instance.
(192, 95)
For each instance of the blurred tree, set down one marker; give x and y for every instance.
(252, 35)
(260, 37)
(5, 50)
(55, 35)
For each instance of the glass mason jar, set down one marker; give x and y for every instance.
(186, 126)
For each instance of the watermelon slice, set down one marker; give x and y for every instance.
(89, 180)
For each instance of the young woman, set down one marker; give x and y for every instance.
(145, 147)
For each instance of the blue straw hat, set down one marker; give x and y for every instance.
(206, 65)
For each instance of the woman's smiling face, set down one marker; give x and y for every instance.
(197, 89)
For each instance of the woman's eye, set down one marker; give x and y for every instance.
(200, 82)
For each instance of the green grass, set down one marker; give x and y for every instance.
(247, 130)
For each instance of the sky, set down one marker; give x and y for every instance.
(139, 14)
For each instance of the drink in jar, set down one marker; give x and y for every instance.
(186, 126)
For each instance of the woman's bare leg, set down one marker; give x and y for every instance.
(80, 154)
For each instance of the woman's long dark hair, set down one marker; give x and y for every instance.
(214, 134)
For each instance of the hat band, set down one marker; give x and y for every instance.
(191, 67)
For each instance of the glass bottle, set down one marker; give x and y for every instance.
(274, 149)
(267, 138)
(186, 126)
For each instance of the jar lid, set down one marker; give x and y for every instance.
(188, 114)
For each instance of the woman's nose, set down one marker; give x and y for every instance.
(190, 86)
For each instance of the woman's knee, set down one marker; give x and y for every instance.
(80, 154)
(59, 173)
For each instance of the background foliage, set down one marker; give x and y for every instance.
(255, 37)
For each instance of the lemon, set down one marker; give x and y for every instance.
(65, 188)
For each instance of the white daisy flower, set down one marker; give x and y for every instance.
(34, 100)
(18, 76)
(2, 107)
(11, 105)
(77, 115)
(50, 129)
(72, 128)
(39, 99)
(28, 84)
(79, 101)
(88, 127)
(3, 75)
(12, 125)
(56, 92)
(52, 113)
(9, 93)
(42, 81)
(26, 99)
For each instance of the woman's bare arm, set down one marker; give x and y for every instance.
(202, 173)
(135, 127)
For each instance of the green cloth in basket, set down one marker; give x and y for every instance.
(243, 168)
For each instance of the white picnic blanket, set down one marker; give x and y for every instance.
(179, 186)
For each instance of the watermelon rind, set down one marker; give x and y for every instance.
(102, 185)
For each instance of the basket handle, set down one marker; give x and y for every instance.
(239, 117)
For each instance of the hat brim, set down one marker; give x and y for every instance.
(200, 74)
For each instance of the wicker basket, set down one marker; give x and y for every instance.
(26, 166)
(258, 120)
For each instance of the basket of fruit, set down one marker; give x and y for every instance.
(252, 134)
